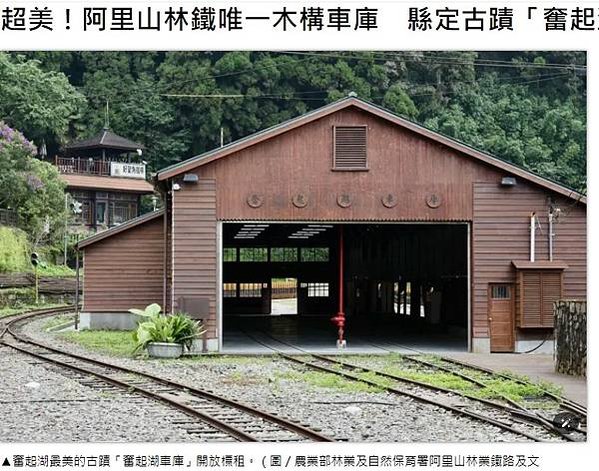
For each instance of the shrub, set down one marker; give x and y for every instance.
(32, 187)
(175, 328)
(14, 250)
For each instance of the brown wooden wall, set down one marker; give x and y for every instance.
(501, 233)
(400, 162)
(194, 245)
(125, 270)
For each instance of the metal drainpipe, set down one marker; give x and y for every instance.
(172, 248)
(66, 226)
(550, 236)
(165, 252)
(76, 288)
(532, 236)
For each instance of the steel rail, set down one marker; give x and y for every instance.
(512, 411)
(400, 392)
(281, 422)
(562, 403)
(516, 409)
(565, 402)
(463, 376)
(231, 431)
(35, 312)
(520, 412)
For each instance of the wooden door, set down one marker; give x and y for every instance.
(501, 317)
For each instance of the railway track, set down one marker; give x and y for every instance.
(508, 415)
(219, 419)
(565, 403)
(214, 418)
(457, 368)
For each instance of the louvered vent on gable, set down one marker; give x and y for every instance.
(350, 148)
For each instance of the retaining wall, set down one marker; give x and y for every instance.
(570, 337)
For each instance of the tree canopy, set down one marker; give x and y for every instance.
(525, 107)
(32, 186)
(40, 103)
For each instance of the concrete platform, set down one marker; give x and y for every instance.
(536, 366)
(255, 341)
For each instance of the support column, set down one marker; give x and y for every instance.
(415, 297)
(339, 319)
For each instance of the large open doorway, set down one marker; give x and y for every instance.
(405, 286)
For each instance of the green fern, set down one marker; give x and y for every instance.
(175, 328)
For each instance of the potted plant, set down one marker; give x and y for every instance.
(164, 336)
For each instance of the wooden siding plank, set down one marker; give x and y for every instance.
(194, 241)
(501, 234)
(125, 270)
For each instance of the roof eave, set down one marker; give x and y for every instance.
(97, 142)
(118, 229)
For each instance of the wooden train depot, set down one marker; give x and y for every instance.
(384, 226)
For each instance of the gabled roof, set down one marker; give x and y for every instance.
(105, 139)
(94, 182)
(382, 113)
(131, 223)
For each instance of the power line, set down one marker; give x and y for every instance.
(291, 96)
(411, 57)
(489, 62)
(309, 55)
(253, 68)
(440, 60)
(526, 82)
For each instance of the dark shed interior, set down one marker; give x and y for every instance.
(402, 283)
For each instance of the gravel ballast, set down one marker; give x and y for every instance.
(38, 403)
(268, 383)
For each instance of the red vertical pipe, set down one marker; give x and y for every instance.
(341, 250)
(341, 313)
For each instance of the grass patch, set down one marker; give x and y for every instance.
(14, 250)
(373, 377)
(496, 387)
(9, 311)
(439, 379)
(55, 271)
(55, 321)
(119, 343)
(546, 385)
(326, 380)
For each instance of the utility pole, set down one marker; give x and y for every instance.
(66, 225)
(35, 261)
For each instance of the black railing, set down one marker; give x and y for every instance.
(68, 165)
(83, 166)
